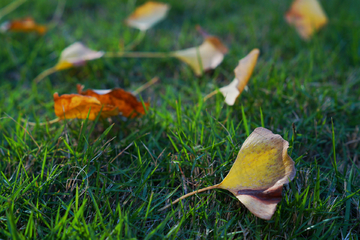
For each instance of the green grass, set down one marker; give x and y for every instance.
(84, 179)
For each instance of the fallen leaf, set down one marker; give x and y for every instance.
(204, 57)
(260, 170)
(126, 103)
(258, 174)
(307, 16)
(78, 106)
(242, 75)
(23, 25)
(147, 15)
(76, 55)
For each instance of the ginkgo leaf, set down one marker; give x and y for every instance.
(242, 75)
(126, 103)
(147, 15)
(258, 173)
(23, 25)
(260, 170)
(76, 55)
(204, 57)
(78, 106)
(307, 16)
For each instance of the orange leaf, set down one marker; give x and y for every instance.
(77, 106)
(242, 75)
(204, 57)
(147, 15)
(76, 55)
(307, 16)
(23, 25)
(258, 174)
(127, 103)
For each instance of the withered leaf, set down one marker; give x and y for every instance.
(242, 75)
(23, 25)
(76, 55)
(204, 57)
(147, 15)
(126, 103)
(258, 173)
(307, 16)
(68, 106)
(260, 170)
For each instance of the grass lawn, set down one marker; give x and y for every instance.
(80, 179)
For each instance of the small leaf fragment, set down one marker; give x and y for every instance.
(23, 25)
(147, 15)
(307, 16)
(76, 55)
(204, 57)
(242, 75)
(231, 92)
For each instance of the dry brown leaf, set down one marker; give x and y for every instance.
(147, 15)
(242, 75)
(23, 25)
(76, 55)
(258, 174)
(70, 106)
(126, 103)
(204, 57)
(307, 16)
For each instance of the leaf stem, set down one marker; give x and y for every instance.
(145, 86)
(44, 74)
(211, 94)
(137, 55)
(10, 7)
(41, 123)
(190, 194)
(136, 41)
(57, 14)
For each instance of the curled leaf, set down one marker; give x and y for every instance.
(23, 25)
(307, 16)
(125, 102)
(258, 173)
(68, 106)
(76, 55)
(242, 75)
(204, 57)
(147, 15)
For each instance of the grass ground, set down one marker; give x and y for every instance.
(83, 179)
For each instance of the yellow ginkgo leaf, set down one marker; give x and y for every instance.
(258, 174)
(147, 15)
(242, 75)
(307, 16)
(76, 55)
(204, 57)
(260, 170)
